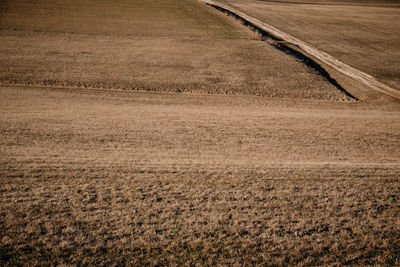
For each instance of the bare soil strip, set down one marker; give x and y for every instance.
(325, 58)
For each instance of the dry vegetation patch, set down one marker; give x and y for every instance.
(102, 176)
(120, 177)
(146, 45)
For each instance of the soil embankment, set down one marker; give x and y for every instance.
(291, 41)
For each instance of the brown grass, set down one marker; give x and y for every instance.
(363, 34)
(102, 176)
(135, 45)
(118, 177)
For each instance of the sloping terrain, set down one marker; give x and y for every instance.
(363, 34)
(284, 172)
(101, 177)
(307, 53)
(146, 45)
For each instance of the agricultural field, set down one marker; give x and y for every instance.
(164, 132)
(145, 45)
(361, 33)
(147, 178)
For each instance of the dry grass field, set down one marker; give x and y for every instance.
(145, 45)
(148, 178)
(363, 34)
(165, 133)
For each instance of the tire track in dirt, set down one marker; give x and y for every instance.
(286, 41)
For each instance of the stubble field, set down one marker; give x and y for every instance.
(142, 178)
(280, 167)
(179, 46)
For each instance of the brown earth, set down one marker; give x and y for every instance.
(103, 176)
